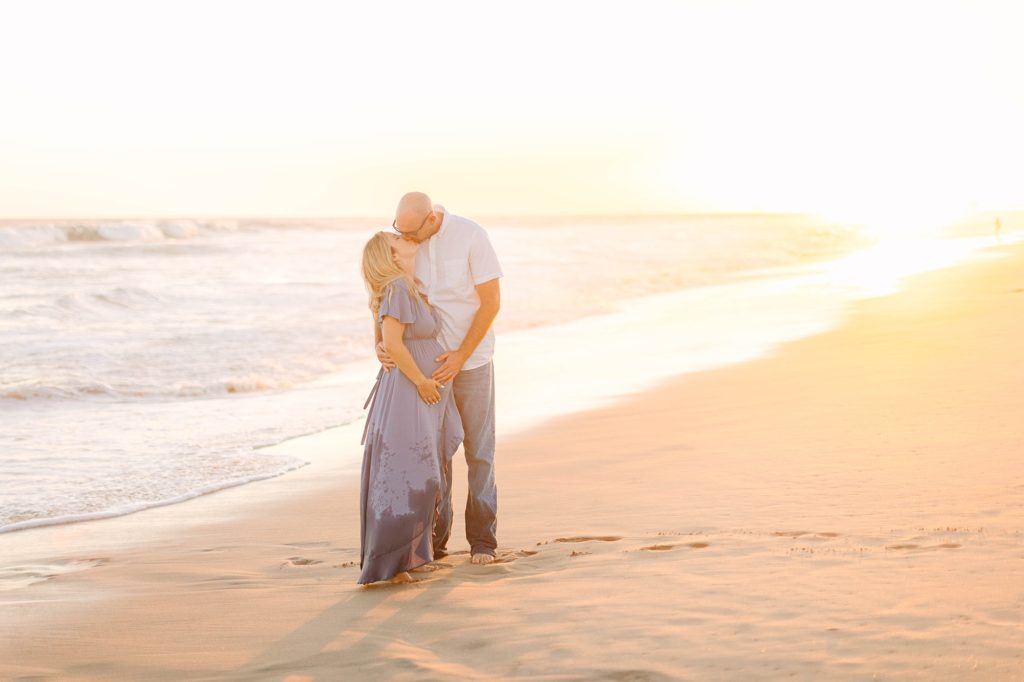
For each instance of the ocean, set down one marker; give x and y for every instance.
(145, 362)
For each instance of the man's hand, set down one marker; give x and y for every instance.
(385, 357)
(452, 363)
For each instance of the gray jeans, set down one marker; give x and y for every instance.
(474, 396)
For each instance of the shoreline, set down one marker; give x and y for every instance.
(594, 544)
(774, 288)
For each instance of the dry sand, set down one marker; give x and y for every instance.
(850, 507)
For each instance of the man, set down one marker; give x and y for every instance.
(458, 271)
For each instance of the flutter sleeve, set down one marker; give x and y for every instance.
(397, 302)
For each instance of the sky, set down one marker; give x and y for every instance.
(856, 110)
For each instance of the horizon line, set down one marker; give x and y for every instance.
(660, 214)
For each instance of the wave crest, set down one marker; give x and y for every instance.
(87, 389)
(14, 236)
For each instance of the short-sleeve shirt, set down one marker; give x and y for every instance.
(449, 266)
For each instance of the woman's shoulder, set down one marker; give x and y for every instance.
(398, 301)
(400, 284)
(401, 287)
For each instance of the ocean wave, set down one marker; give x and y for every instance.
(89, 304)
(291, 464)
(180, 229)
(28, 235)
(74, 389)
(127, 232)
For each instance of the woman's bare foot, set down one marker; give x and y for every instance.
(425, 568)
(482, 558)
(399, 578)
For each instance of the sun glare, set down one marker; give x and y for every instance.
(732, 106)
(899, 221)
(877, 270)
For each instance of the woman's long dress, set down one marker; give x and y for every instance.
(404, 441)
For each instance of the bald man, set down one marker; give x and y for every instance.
(457, 269)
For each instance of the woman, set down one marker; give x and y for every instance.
(412, 421)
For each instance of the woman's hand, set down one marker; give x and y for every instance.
(429, 390)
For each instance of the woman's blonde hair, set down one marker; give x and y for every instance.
(380, 269)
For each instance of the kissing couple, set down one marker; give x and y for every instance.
(433, 285)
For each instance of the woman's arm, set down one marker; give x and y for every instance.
(392, 331)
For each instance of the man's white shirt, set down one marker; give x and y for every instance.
(449, 266)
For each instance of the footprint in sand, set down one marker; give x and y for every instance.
(224, 582)
(575, 553)
(302, 561)
(509, 557)
(799, 533)
(589, 538)
(662, 548)
(944, 545)
(14, 577)
(307, 545)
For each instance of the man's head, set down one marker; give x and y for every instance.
(415, 217)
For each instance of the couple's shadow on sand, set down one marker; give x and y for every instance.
(362, 617)
(371, 625)
(355, 629)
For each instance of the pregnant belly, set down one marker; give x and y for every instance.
(425, 352)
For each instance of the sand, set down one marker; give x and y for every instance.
(850, 506)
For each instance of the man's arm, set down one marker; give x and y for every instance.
(490, 301)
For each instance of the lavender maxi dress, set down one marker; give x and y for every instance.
(404, 441)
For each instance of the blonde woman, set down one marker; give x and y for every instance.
(412, 423)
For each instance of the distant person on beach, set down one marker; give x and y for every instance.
(457, 273)
(999, 230)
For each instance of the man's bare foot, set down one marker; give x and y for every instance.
(482, 558)
(400, 578)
